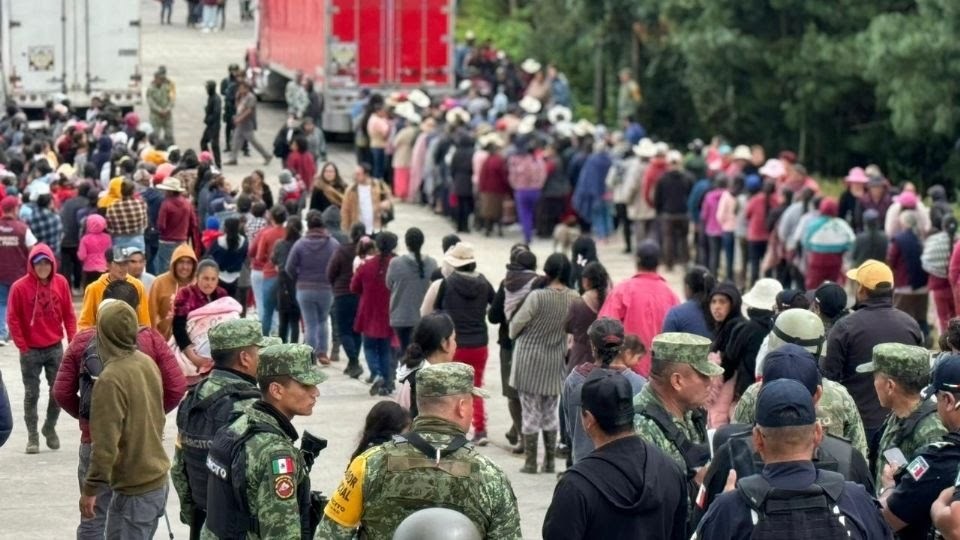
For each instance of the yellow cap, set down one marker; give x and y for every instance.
(872, 274)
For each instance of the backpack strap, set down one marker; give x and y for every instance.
(764, 498)
(694, 455)
(239, 391)
(240, 488)
(925, 409)
(428, 449)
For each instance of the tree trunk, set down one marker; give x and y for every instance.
(599, 86)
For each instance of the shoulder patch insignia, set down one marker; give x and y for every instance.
(282, 465)
(918, 467)
(283, 486)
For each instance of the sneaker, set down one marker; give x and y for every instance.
(384, 391)
(354, 372)
(3, 343)
(370, 379)
(377, 385)
(33, 444)
(479, 438)
(50, 434)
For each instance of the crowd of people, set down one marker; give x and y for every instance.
(801, 341)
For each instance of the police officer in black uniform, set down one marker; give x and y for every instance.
(791, 494)
(908, 492)
(733, 443)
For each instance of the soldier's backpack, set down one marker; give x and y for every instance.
(694, 455)
(90, 368)
(198, 420)
(787, 514)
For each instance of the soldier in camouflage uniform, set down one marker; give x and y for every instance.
(679, 386)
(160, 99)
(431, 466)
(900, 372)
(274, 500)
(235, 348)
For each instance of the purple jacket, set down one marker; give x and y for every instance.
(708, 212)
(308, 260)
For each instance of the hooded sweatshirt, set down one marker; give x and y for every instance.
(465, 297)
(164, 290)
(308, 260)
(38, 313)
(331, 220)
(126, 415)
(623, 490)
(94, 294)
(94, 244)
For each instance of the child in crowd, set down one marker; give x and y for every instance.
(384, 420)
(92, 248)
(366, 249)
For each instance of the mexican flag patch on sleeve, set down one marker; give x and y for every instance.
(283, 465)
(918, 467)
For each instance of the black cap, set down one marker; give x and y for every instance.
(609, 398)
(792, 362)
(831, 298)
(785, 403)
(648, 248)
(945, 376)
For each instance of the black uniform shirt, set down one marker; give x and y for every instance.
(920, 483)
(729, 515)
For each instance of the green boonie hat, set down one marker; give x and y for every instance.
(236, 334)
(270, 340)
(450, 379)
(292, 359)
(898, 360)
(686, 348)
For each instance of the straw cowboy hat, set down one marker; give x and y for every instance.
(583, 128)
(530, 105)
(171, 184)
(530, 66)
(491, 139)
(559, 114)
(458, 114)
(763, 294)
(406, 110)
(742, 152)
(419, 98)
(527, 124)
(645, 148)
(460, 255)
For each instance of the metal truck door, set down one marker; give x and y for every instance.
(437, 43)
(112, 49)
(36, 35)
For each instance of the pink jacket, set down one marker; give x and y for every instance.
(94, 244)
(727, 212)
(641, 303)
(708, 212)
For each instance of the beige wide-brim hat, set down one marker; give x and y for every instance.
(583, 128)
(405, 110)
(530, 105)
(527, 124)
(460, 255)
(763, 294)
(742, 152)
(458, 114)
(171, 184)
(419, 98)
(559, 114)
(530, 66)
(645, 148)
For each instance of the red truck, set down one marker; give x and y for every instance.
(346, 45)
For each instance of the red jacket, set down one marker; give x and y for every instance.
(262, 248)
(302, 165)
(373, 312)
(493, 176)
(66, 389)
(38, 313)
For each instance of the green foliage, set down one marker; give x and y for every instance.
(842, 83)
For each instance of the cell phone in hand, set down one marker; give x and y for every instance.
(895, 457)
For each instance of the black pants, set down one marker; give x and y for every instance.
(464, 209)
(289, 319)
(623, 221)
(757, 250)
(714, 244)
(196, 524)
(549, 211)
(211, 141)
(345, 311)
(71, 267)
(673, 239)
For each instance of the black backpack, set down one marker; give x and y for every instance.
(787, 514)
(90, 368)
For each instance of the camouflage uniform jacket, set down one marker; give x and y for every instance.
(387, 483)
(650, 432)
(930, 429)
(219, 378)
(275, 469)
(160, 98)
(836, 410)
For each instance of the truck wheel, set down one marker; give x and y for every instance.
(273, 91)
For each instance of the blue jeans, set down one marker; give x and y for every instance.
(164, 253)
(4, 294)
(269, 304)
(377, 352)
(315, 310)
(345, 311)
(209, 16)
(133, 240)
(729, 244)
(379, 165)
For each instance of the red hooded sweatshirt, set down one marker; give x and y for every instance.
(39, 313)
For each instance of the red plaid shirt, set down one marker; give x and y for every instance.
(127, 217)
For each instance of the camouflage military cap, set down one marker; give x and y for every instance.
(898, 360)
(449, 379)
(291, 359)
(686, 348)
(236, 334)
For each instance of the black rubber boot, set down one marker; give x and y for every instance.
(530, 452)
(549, 451)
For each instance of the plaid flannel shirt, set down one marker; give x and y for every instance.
(47, 228)
(127, 217)
(253, 226)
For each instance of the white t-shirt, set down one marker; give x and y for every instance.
(365, 196)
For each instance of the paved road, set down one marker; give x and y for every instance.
(39, 494)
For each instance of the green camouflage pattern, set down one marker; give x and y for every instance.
(684, 348)
(650, 432)
(836, 410)
(178, 473)
(395, 484)
(898, 360)
(929, 430)
(292, 359)
(237, 334)
(450, 379)
(278, 517)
